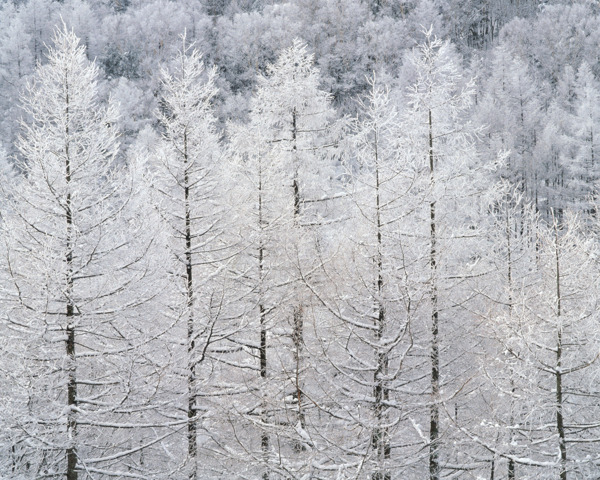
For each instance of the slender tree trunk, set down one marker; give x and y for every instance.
(71, 452)
(192, 418)
(592, 158)
(295, 184)
(298, 343)
(264, 439)
(511, 469)
(592, 176)
(511, 462)
(298, 316)
(434, 427)
(562, 443)
(380, 440)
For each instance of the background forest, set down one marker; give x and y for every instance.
(309, 239)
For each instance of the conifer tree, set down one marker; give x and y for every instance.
(373, 297)
(441, 141)
(77, 267)
(185, 179)
(285, 151)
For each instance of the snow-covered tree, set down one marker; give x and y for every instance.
(505, 299)
(285, 155)
(586, 126)
(185, 176)
(440, 141)
(257, 173)
(76, 280)
(511, 109)
(371, 296)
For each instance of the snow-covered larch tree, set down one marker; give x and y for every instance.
(377, 150)
(561, 344)
(510, 108)
(586, 123)
(256, 173)
(370, 298)
(285, 153)
(77, 269)
(505, 298)
(441, 141)
(186, 182)
(550, 347)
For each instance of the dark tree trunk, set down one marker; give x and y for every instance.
(511, 462)
(71, 452)
(264, 438)
(380, 435)
(560, 427)
(298, 316)
(191, 340)
(434, 426)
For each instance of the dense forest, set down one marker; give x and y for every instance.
(303, 239)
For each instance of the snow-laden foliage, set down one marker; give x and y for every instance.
(299, 239)
(76, 263)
